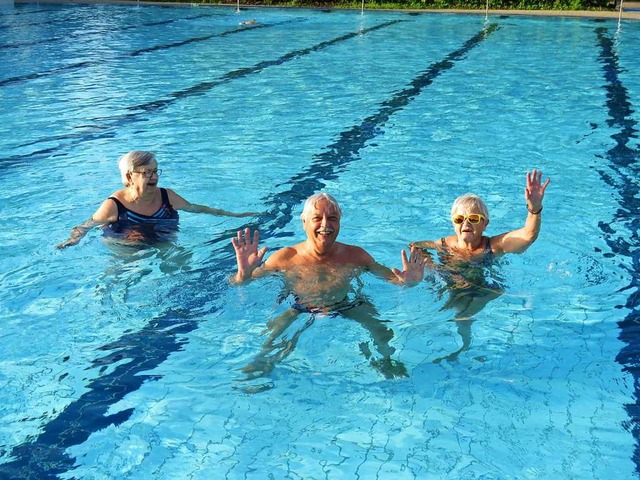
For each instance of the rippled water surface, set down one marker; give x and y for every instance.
(130, 363)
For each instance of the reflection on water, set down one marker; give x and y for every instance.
(281, 341)
(152, 232)
(468, 287)
(128, 377)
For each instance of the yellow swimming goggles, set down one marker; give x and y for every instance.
(473, 218)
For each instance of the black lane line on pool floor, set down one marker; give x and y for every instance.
(623, 161)
(140, 112)
(136, 53)
(346, 149)
(58, 20)
(101, 32)
(45, 455)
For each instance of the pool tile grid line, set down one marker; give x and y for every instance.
(139, 112)
(623, 160)
(135, 53)
(347, 148)
(45, 455)
(207, 37)
(103, 31)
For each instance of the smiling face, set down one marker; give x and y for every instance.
(322, 225)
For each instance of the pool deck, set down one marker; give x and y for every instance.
(630, 10)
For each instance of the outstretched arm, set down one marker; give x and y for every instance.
(248, 257)
(428, 244)
(78, 233)
(517, 241)
(194, 208)
(180, 203)
(108, 212)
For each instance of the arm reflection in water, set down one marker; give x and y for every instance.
(319, 273)
(466, 258)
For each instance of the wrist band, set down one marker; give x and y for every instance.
(532, 212)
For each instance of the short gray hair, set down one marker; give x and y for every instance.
(128, 162)
(470, 201)
(311, 202)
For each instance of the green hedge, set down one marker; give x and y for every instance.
(432, 4)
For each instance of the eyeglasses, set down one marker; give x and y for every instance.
(149, 173)
(474, 218)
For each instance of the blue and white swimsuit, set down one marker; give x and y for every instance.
(154, 227)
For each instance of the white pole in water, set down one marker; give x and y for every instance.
(486, 12)
(238, 10)
(362, 11)
(620, 13)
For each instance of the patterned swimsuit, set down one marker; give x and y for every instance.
(153, 227)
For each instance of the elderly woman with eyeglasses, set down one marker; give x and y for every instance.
(141, 210)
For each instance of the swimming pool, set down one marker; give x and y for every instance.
(126, 363)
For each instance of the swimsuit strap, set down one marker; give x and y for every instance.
(487, 246)
(122, 210)
(165, 198)
(489, 256)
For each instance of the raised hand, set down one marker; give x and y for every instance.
(248, 257)
(412, 267)
(534, 191)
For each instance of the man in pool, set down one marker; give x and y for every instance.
(319, 271)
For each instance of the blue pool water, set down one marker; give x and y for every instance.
(121, 363)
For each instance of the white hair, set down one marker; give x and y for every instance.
(470, 202)
(128, 162)
(311, 202)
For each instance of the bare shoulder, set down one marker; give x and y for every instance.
(172, 194)
(426, 244)
(282, 259)
(119, 194)
(497, 243)
(177, 201)
(355, 255)
(437, 245)
(107, 211)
